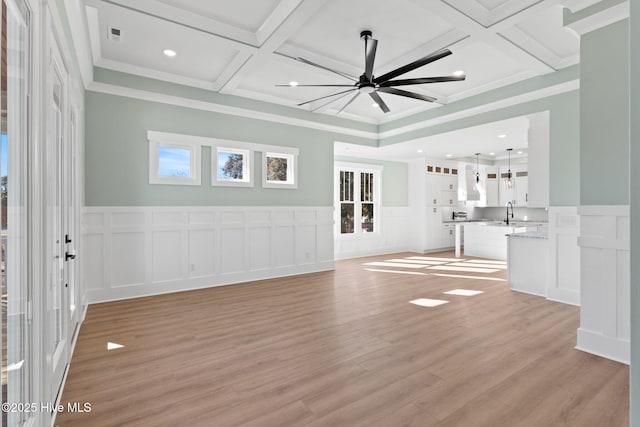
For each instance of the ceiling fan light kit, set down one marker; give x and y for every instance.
(370, 85)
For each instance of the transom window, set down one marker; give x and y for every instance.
(171, 162)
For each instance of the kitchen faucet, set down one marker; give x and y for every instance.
(509, 204)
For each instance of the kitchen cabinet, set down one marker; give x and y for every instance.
(433, 228)
(492, 187)
(448, 237)
(518, 193)
(521, 189)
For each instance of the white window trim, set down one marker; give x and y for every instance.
(247, 166)
(292, 170)
(154, 162)
(358, 168)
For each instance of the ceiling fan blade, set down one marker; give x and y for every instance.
(330, 101)
(408, 94)
(315, 86)
(412, 66)
(370, 46)
(353, 98)
(423, 80)
(313, 64)
(327, 96)
(379, 101)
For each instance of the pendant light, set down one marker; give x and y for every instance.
(477, 169)
(508, 182)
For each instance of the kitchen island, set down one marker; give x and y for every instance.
(528, 262)
(488, 239)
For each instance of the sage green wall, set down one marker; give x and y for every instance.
(117, 153)
(604, 116)
(634, 50)
(395, 177)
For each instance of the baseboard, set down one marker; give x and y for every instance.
(604, 346)
(157, 288)
(564, 296)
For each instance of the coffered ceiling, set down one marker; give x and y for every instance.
(246, 47)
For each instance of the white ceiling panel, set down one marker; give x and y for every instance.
(248, 15)
(399, 26)
(546, 28)
(200, 56)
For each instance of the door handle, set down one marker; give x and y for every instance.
(68, 256)
(67, 239)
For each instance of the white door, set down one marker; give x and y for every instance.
(56, 216)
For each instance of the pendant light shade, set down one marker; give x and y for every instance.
(508, 181)
(477, 169)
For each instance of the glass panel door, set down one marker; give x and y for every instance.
(55, 221)
(16, 332)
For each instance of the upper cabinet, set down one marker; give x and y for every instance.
(538, 178)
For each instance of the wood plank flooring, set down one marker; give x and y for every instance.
(344, 348)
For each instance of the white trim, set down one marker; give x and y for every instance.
(80, 37)
(503, 103)
(247, 167)
(195, 150)
(603, 346)
(215, 142)
(223, 109)
(292, 170)
(611, 210)
(601, 19)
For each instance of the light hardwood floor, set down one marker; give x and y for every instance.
(344, 348)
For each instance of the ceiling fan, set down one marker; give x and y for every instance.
(367, 83)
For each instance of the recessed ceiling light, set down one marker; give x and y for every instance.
(502, 136)
(520, 152)
(419, 151)
(458, 73)
(492, 154)
(449, 155)
(170, 53)
(293, 83)
(375, 105)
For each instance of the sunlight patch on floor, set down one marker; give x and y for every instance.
(396, 271)
(394, 264)
(465, 269)
(463, 292)
(463, 276)
(416, 261)
(474, 264)
(429, 258)
(426, 302)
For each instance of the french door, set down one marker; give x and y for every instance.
(60, 219)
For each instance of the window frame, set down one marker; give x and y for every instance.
(195, 176)
(292, 170)
(247, 166)
(358, 169)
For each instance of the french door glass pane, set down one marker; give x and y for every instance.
(367, 217)
(346, 218)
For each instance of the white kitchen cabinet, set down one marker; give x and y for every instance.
(492, 184)
(433, 228)
(538, 181)
(521, 189)
(449, 190)
(448, 237)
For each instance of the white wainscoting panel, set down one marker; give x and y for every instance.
(564, 229)
(605, 316)
(139, 251)
(393, 236)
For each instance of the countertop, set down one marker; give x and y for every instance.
(531, 235)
